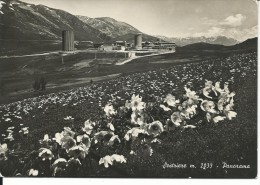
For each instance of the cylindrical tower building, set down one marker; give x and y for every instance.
(67, 40)
(138, 41)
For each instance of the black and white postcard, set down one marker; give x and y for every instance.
(128, 88)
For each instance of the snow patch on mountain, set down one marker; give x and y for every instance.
(14, 3)
(37, 14)
(1, 5)
(11, 6)
(48, 9)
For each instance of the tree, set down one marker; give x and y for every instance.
(39, 83)
(43, 83)
(36, 84)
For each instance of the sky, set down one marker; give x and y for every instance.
(172, 18)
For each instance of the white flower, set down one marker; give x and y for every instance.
(208, 106)
(9, 131)
(109, 160)
(68, 118)
(230, 105)
(218, 118)
(33, 172)
(169, 125)
(155, 128)
(3, 151)
(176, 118)
(59, 166)
(208, 88)
(189, 126)
(170, 100)
(60, 163)
(113, 139)
(133, 133)
(155, 140)
(220, 104)
(111, 126)
(191, 94)
(74, 162)
(46, 139)
(192, 109)
(102, 136)
(136, 103)
(68, 132)
(224, 99)
(206, 92)
(58, 137)
(109, 110)
(187, 111)
(77, 151)
(137, 118)
(10, 137)
(230, 114)
(24, 130)
(106, 161)
(67, 142)
(118, 158)
(8, 120)
(228, 111)
(45, 153)
(217, 87)
(208, 116)
(165, 108)
(88, 127)
(10, 128)
(132, 152)
(147, 150)
(226, 88)
(85, 140)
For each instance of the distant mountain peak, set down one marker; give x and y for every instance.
(109, 26)
(248, 45)
(219, 40)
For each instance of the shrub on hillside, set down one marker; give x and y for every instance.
(39, 84)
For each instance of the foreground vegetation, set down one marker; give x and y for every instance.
(133, 125)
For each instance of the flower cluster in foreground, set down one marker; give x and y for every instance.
(125, 128)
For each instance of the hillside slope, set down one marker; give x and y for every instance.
(249, 44)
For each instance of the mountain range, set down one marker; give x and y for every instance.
(109, 26)
(23, 21)
(117, 30)
(20, 21)
(191, 40)
(249, 45)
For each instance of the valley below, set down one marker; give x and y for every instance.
(19, 73)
